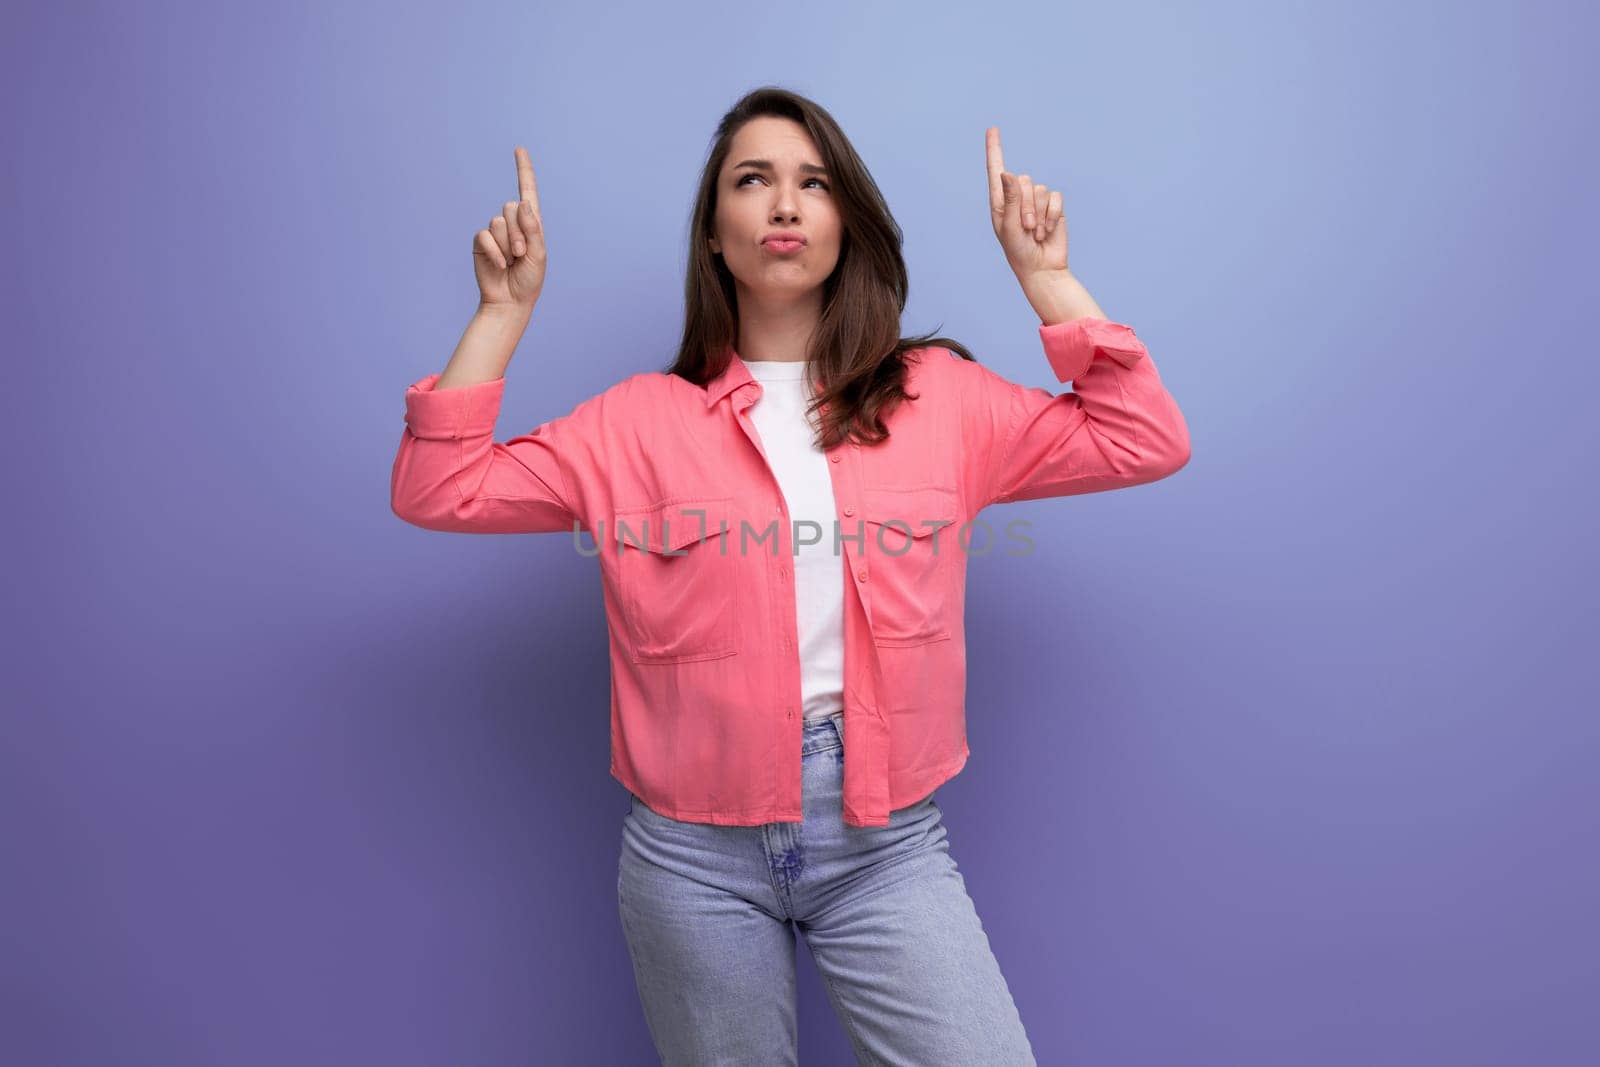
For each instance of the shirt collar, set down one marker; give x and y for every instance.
(734, 374)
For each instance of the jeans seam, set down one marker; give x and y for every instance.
(862, 1053)
(849, 1023)
(628, 938)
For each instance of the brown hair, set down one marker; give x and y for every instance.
(857, 349)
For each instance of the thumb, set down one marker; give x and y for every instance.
(1013, 190)
(1010, 201)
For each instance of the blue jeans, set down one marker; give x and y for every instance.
(709, 915)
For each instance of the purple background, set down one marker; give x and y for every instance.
(1288, 759)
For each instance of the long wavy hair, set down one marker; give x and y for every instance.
(857, 352)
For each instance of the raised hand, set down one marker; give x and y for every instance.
(1027, 217)
(509, 255)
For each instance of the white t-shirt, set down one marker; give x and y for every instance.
(801, 468)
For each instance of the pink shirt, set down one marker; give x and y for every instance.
(670, 483)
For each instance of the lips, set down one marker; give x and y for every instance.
(784, 242)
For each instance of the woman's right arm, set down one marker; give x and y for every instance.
(450, 473)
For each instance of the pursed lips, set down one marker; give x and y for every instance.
(783, 243)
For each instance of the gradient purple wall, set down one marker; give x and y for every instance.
(1289, 759)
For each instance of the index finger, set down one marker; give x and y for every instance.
(997, 195)
(527, 188)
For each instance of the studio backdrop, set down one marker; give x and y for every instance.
(1286, 759)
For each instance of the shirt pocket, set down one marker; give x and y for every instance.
(677, 581)
(910, 551)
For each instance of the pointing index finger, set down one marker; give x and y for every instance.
(997, 196)
(527, 188)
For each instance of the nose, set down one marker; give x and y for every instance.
(784, 210)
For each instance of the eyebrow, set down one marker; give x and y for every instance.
(766, 164)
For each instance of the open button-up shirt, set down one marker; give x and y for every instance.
(670, 483)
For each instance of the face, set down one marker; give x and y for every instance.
(755, 200)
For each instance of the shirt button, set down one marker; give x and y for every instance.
(850, 509)
(862, 574)
(834, 457)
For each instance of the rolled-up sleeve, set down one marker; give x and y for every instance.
(450, 473)
(1117, 427)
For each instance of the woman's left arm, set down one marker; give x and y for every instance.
(1032, 231)
(1118, 427)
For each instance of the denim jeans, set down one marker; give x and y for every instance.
(709, 914)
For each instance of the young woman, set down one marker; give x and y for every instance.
(782, 520)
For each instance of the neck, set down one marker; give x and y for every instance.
(780, 332)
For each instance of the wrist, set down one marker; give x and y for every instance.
(517, 313)
(1057, 297)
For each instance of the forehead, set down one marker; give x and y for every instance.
(783, 141)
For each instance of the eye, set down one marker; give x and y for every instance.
(752, 174)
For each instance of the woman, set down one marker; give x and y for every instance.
(783, 603)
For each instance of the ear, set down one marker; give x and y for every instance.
(714, 249)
